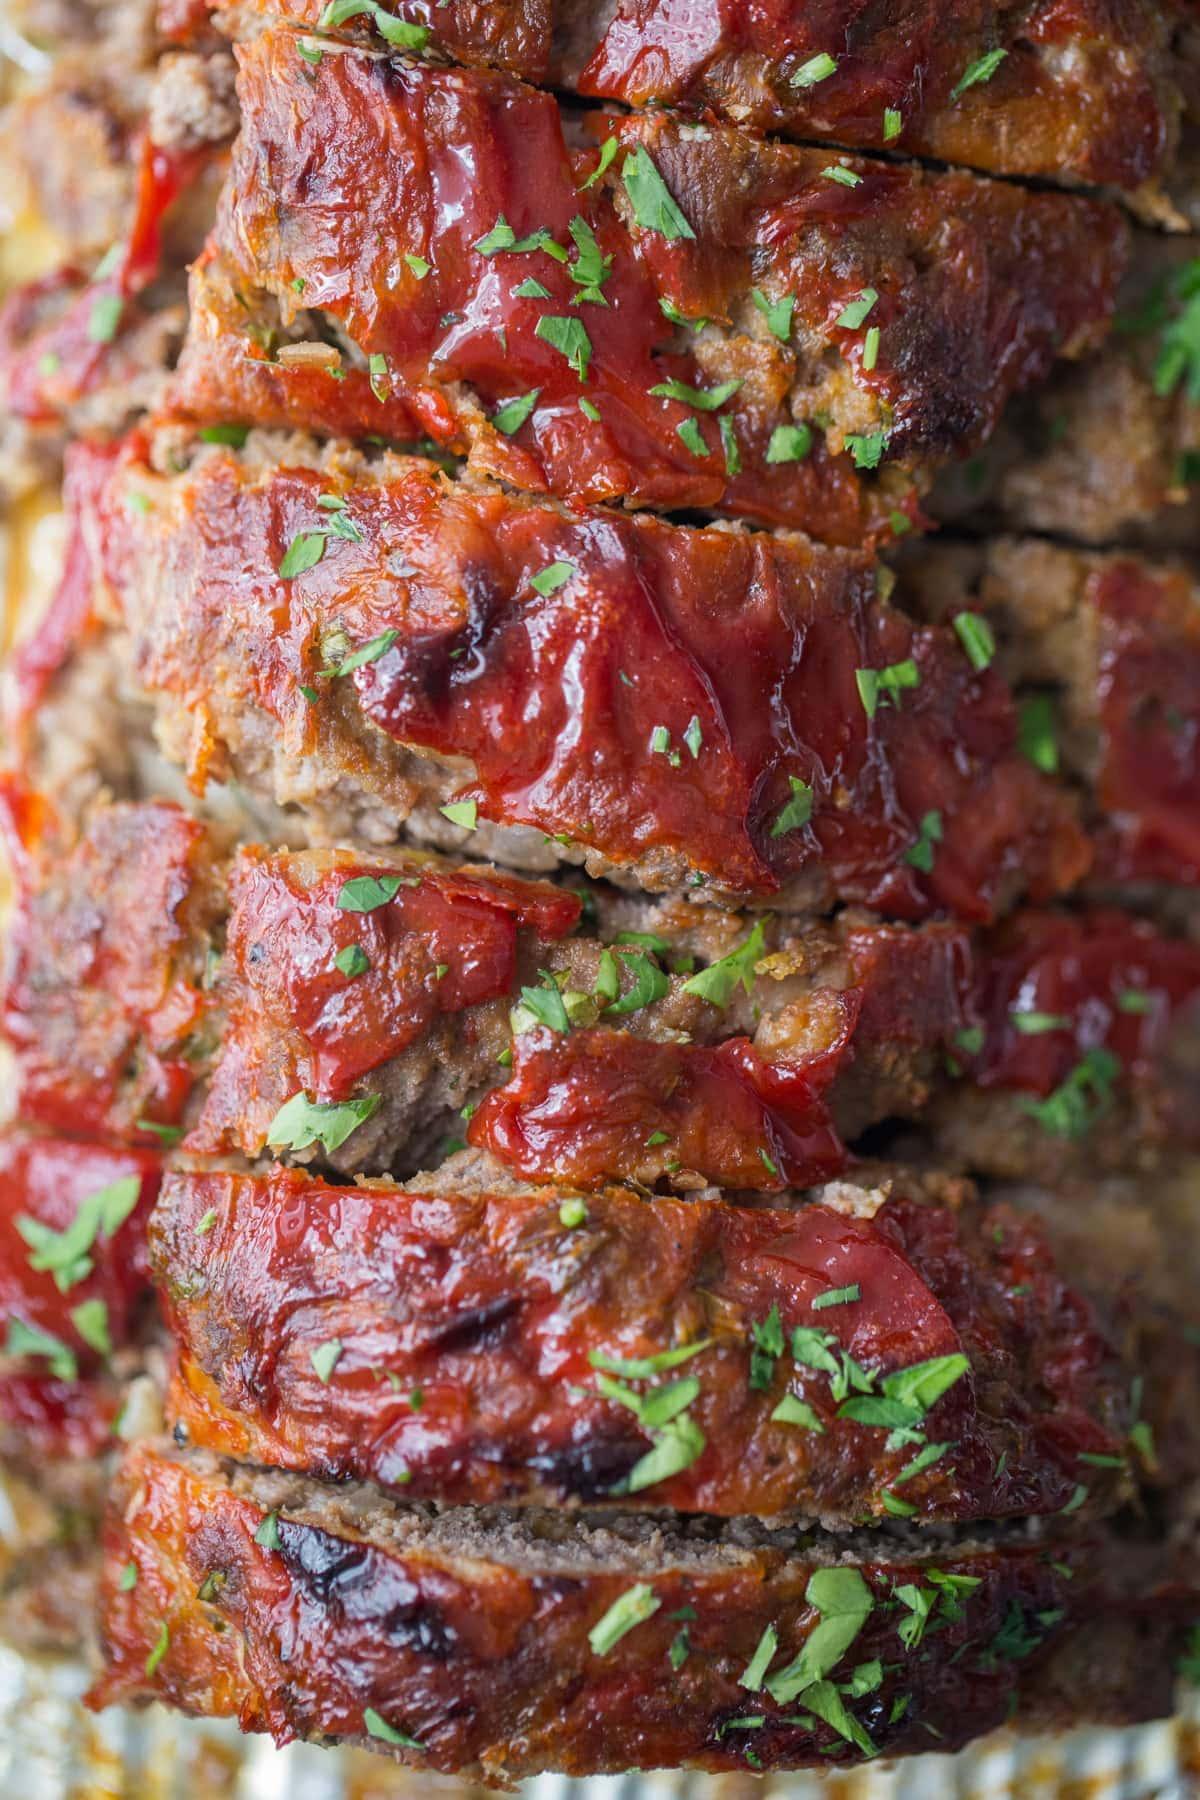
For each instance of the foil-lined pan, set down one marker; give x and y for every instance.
(52, 1749)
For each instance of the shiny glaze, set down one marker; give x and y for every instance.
(46, 1179)
(1077, 967)
(973, 304)
(591, 1107)
(102, 1000)
(1084, 89)
(445, 944)
(488, 1666)
(556, 699)
(49, 359)
(504, 34)
(489, 1306)
(1149, 710)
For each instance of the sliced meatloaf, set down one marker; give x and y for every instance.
(383, 648)
(1112, 644)
(155, 986)
(1107, 452)
(863, 1355)
(481, 1643)
(86, 348)
(1083, 1050)
(160, 985)
(1088, 93)
(74, 1284)
(872, 316)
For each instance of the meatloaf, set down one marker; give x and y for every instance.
(133, 158)
(861, 1356)
(1089, 92)
(576, 318)
(161, 986)
(407, 650)
(483, 1643)
(1107, 651)
(1107, 452)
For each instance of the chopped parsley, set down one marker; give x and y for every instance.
(842, 175)
(417, 265)
(789, 443)
(30, 1340)
(792, 1410)
(366, 893)
(797, 811)
(777, 313)
(978, 72)
(572, 1213)
(844, 1602)
(301, 1121)
(590, 268)
(205, 1224)
(105, 318)
(1085, 1095)
(641, 1368)
(304, 552)
(325, 1358)
(718, 983)
(867, 449)
(649, 984)
(463, 813)
(893, 124)
(877, 687)
(921, 854)
(1037, 1024)
(768, 1347)
(378, 1727)
(90, 1319)
(546, 1005)
(816, 69)
(393, 30)
(267, 1536)
(977, 639)
(677, 1446)
(702, 399)
(366, 653)
(691, 435)
(654, 208)
(128, 1578)
(352, 961)
(156, 1655)
(513, 414)
(608, 151)
(569, 337)
(554, 576)
(856, 312)
(65, 1254)
(842, 1296)
(755, 1672)
(635, 1606)
(1037, 732)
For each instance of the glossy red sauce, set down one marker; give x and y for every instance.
(1149, 705)
(96, 1007)
(453, 151)
(46, 1179)
(560, 699)
(1096, 105)
(60, 336)
(488, 1308)
(446, 942)
(485, 1662)
(590, 1107)
(1112, 980)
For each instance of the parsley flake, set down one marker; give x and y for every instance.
(816, 69)
(654, 208)
(513, 414)
(301, 1121)
(978, 72)
(635, 1606)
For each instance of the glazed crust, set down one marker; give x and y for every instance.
(978, 286)
(648, 646)
(1082, 92)
(479, 1651)
(487, 1308)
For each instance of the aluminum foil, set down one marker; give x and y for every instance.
(52, 1749)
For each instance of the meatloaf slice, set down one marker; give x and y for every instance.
(488, 1644)
(871, 315)
(156, 985)
(387, 649)
(74, 1297)
(1020, 87)
(1082, 1052)
(1112, 643)
(1107, 452)
(862, 1355)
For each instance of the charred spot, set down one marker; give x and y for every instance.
(591, 1470)
(478, 1327)
(354, 1582)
